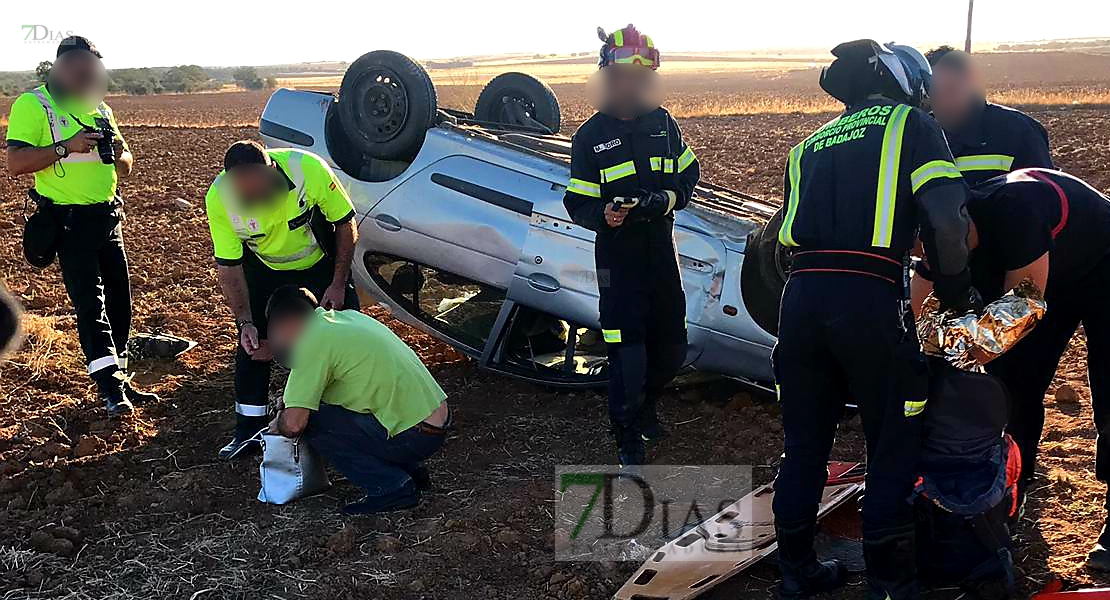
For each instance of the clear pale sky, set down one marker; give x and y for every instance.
(132, 33)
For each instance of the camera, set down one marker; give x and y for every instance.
(104, 146)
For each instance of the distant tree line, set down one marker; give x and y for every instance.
(179, 79)
(1054, 45)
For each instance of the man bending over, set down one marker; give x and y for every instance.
(360, 397)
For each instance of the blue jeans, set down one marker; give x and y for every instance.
(360, 448)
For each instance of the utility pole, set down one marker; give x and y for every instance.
(970, 13)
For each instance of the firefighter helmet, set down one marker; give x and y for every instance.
(866, 67)
(627, 46)
(918, 73)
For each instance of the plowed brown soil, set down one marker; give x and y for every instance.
(141, 509)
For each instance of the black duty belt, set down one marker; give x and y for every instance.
(850, 262)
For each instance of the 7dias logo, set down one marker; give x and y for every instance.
(35, 34)
(603, 513)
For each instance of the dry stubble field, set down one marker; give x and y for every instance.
(141, 509)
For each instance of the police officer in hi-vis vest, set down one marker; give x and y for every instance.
(66, 135)
(278, 217)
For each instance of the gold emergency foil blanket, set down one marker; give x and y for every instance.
(970, 341)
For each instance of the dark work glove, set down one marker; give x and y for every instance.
(956, 293)
(654, 204)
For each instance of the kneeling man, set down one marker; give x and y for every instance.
(360, 396)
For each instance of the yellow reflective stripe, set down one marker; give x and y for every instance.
(585, 188)
(658, 163)
(985, 162)
(635, 59)
(686, 159)
(618, 38)
(612, 336)
(912, 409)
(625, 169)
(886, 192)
(794, 171)
(937, 169)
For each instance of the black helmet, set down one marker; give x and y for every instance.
(866, 67)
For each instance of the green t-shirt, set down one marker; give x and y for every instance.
(351, 360)
(77, 178)
(279, 233)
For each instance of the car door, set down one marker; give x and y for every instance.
(556, 272)
(460, 215)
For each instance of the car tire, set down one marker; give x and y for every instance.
(766, 268)
(387, 103)
(519, 100)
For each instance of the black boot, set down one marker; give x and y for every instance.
(802, 574)
(651, 430)
(419, 475)
(891, 566)
(243, 442)
(111, 392)
(1099, 557)
(630, 446)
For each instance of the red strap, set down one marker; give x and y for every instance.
(1064, 203)
(850, 271)
(855, 252)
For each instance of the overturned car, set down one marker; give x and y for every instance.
(463, 232)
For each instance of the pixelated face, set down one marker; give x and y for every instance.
(953, 93)
(80, 76)
(256, 185)
(625, 90)
(282, 336)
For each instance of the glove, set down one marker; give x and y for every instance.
(655, 204)
(956, 294)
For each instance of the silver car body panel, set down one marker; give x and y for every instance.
(527, 244)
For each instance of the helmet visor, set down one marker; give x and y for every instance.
(635, 55)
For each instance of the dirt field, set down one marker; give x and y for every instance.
(141, 509)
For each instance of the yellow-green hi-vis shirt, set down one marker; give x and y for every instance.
(37, 119)
(278, 232)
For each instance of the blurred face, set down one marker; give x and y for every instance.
(282, 336)
(625, 91)
(79, 76)
(257, 185)
(953, 94)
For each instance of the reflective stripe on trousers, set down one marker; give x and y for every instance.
(250, 410)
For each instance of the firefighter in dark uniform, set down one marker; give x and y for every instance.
(857, 192)
(278, 217)
(630, 170)
(1054, 229)
(58, 132)
(987, 139)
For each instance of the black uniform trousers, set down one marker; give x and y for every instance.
(1029, 367)
(643, 319)
(94, 271)
(252, 377)
(847, 338)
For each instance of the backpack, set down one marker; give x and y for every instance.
(966, 494)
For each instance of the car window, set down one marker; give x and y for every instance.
(541, 345)
(461, 309)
